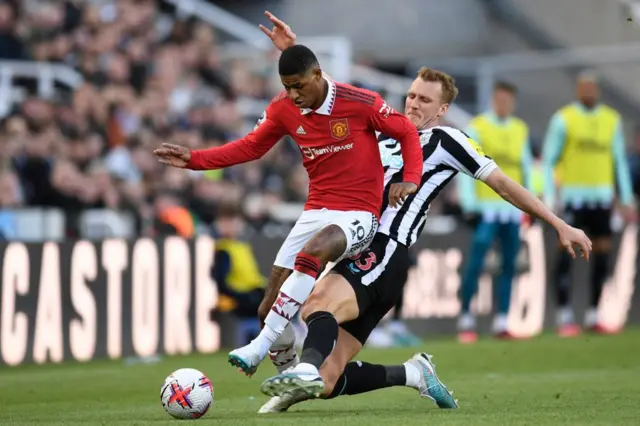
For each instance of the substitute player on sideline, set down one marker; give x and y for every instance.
(358, 292)
(335, 126)
(585, 146)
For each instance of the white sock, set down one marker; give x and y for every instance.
(500, 323)
(306, 368)
(565, 316)
(286, 339)
(300, 331)
(292, 295)
(413, 375)
(467, 322)
(591, 317)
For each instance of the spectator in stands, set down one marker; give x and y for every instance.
(10, 196)
(236, 271)
(149, 77)
(11, 47)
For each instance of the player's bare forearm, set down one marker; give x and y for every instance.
(517, 195)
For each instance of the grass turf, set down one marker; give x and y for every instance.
(546, 381)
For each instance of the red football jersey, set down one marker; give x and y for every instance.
(338, 144)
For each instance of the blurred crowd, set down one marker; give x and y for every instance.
(149, 78)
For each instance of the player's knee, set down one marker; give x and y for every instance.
(315, 303)
(328, 245)
(321, 299)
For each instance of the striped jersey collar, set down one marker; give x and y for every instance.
(327, 105)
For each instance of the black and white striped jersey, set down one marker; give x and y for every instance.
(446, 151)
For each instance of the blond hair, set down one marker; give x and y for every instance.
(448, 83)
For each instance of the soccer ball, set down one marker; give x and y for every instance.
(187, 394)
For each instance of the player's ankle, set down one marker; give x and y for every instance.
(413, 374)
(307, 368)
(263, 342)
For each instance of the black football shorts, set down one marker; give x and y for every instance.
(378, 276)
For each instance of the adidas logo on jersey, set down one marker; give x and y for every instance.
(300, 131)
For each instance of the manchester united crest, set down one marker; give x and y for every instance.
(339, 128)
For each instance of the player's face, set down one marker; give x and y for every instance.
(504, 103)
(423, 105)
(305, 90)
(588, 92)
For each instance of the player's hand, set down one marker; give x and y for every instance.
(570, 236)
(281, 34)
(173, 155)
(398, 192)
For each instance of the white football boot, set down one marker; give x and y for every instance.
(303, 378)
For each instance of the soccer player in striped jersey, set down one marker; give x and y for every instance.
(348, 302)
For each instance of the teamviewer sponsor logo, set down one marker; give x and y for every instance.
(312, 153)
(285, 306)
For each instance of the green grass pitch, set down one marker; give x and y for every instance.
(546, 381)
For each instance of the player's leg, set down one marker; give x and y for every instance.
(340, 297)
(282, 349)
(509, 237)
(342, 377)
(347, 233)
(601, 234)
(374, 291)
(374, 299)
(332, 301)
(346, 348)
(282, 353)
(565, 320)
(481, 242)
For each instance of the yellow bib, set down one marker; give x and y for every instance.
(587, 156)
(244, 274)
(505, 144)
(537, 179)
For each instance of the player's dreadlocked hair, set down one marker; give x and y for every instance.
(297, 59)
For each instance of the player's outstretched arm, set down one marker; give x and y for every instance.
(253, 146)
(465, 155)
(517, 195)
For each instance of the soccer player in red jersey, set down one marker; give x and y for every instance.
(335, 127)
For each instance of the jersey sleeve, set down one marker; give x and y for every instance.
(625, 186)
(465, 155)
(395, 125)
(266, 133)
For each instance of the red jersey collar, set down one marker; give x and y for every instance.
(327, 105)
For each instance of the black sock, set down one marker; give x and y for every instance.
(321, 338)
(360, 377)
(599, 271)
(563, 280)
